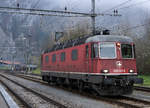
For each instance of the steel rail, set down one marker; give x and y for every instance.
(24, 103)
(139, 88)
(105, 99)
(36, 93)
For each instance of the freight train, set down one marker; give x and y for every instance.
(105, 64)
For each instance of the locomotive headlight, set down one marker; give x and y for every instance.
(118, 44)
(131, 70)
(105, 71)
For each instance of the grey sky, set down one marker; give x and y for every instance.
(101, 5)
(85, 5)
(135, 11)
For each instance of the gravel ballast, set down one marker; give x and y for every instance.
(30, 98)
(66, 98)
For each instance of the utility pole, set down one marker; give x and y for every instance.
(12, 67)
(29, 53)
(93, 16)
(40, 12)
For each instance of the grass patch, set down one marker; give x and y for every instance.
(146, 79)
(37, 71)
(4, 68)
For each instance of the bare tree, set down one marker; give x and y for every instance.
(143, 49)
(81, 29)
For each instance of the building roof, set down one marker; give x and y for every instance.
(8, 62)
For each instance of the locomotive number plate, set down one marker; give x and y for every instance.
(119, 70)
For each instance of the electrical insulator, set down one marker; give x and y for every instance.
(18, 5)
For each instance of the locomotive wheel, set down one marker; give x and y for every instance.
(80, 86)
(50, 81)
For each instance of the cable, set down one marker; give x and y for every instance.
(117, 6)
(41, 14)
(36, 4)
(133, 27)
(130, 28)
(103, 14)
(48, 11)
(139, 3)
(137, 26)
(70, 3)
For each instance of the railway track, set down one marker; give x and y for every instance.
(21, 101)
(146, 89)
(30, 91)
(124, 101)
(37, 77)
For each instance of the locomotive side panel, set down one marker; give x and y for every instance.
(67, 60)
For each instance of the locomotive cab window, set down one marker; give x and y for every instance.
(127, 51)
(46, 59)
(107, 50)
(54, 58)
(74, 54)
(63, 56)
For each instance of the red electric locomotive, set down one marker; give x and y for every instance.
(105, 63)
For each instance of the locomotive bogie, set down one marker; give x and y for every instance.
(107, 85)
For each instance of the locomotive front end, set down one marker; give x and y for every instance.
(118, 65)
(115, 60)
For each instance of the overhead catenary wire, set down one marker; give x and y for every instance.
(135, 4)
(41, 14)
(119, 5)
(132, 5)
(71, 4)
(42, 10)
(36, 4)
(137, 26)
(133, 27)
(50, 12)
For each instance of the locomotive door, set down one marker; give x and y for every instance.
(94, 58)
(87, 58)
(91, 56)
